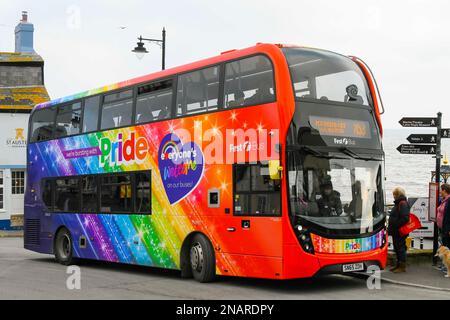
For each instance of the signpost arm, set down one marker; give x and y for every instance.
(438, 180)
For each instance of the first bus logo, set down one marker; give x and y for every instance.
(123, 150)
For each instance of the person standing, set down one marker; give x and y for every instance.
(399, 216)
(443, 215)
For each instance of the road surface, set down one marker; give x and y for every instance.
(29, 275)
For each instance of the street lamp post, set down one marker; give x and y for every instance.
(445, 171)
(140, 50)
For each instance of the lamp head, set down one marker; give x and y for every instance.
(140, 50)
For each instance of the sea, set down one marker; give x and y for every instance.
(412, 172)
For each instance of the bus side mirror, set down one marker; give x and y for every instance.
(275, 169)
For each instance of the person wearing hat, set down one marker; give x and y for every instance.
(330, 204)
(398, 217)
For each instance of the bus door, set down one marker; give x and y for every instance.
(254, 225)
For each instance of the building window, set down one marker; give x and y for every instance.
(1, 190)
(255, 193)
(198, 91)
(249, 82)
(18, 182)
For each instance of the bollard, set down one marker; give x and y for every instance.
(409, 243)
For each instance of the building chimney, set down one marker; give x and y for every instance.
(24, 35)
(24, 16)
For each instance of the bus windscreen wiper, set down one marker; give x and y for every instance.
(315, 152)
(312, 151)
(354, 155)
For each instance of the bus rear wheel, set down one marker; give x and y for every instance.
(202, 259)
(64, 247)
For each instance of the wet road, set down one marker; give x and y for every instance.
(29, 275)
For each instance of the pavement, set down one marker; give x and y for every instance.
(11, 233)
(29, 275)
(420, 274)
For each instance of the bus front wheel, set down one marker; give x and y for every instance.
(64, 247)
(202, 259)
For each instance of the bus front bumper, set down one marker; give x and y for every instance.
(299, 264)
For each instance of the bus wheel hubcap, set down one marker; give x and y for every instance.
(65, 246)
(197, 257)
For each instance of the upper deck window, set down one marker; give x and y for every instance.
(249, 82)
(42, 124)
(198, 91)
(326, 76)
(68, 120)
(154, 102)
(90, 113)
(117, 110)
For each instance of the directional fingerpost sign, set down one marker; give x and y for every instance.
(417, 148)
(445, 133)
(422, 138)
(419, 122)
(426, 144)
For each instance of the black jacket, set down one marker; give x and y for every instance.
(399, 216)
(446, 222)
(330, 205)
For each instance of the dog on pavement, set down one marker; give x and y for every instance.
(444, 254)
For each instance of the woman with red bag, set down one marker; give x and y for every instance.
(399, 216)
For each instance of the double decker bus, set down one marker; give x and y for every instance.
(262, 162)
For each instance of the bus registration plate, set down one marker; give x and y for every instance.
(353, 267)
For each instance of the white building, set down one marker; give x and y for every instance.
(21, 87)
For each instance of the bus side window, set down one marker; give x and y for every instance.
(42, 124)
(48, 194)
(249, 81)
(255, 193)
(154, 102)
(198, 91)
(117, 110)
(67, 195)
(89, 194)
(116, 193)
(68, 120)
(143, 192)
(90, 113)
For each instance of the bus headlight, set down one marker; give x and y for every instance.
(304, 238)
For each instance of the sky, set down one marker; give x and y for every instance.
(87, 44)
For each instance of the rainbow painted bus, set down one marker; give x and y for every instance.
(263, 162)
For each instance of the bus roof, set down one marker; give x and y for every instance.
(224, 56)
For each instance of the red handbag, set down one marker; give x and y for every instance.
(413, 224)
